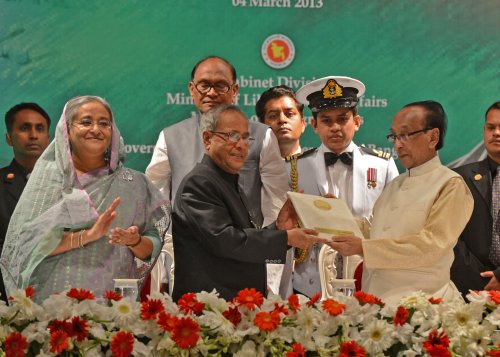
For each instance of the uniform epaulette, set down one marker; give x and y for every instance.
(378, 153)
(300, 154)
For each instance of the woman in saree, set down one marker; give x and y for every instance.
(83, 219)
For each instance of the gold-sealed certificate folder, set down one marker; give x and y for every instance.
(329, 216)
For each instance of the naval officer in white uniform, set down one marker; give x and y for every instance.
(350, 172)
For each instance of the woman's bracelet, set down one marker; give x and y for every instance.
(80, 239)
(136, 243)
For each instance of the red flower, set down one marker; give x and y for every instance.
(233, 315)
(15, 345)
(249, 298)
(280, 308)
(166, 321)
(494, 296)
(58, 325)
(186, 333)
(30, 292)
(351, 348)
(293, 302)
(494, 352)
(112, 295)
(435, 301)
(122, 344)
(79, 328)
(365, 298)
(150, 309)
(437, 345)
(314, 299)
(58, 342)
(401, 316)
(188, 303)
(80, 294)
(267, 321)
(333, 307)
(298, 351)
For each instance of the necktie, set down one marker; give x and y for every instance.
(331, 158)
(495, 210)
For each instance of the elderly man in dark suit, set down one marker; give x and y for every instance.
(27, 127)
(217, 243)
(477, 253)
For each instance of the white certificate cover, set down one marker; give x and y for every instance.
(329, 216)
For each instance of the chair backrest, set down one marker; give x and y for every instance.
(352, 269)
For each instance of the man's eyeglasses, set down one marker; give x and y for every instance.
(220, 87)
(86, 124)
(405, 136)
(234, 137)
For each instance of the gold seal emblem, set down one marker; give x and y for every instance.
(332, 89)
(325, 206)
(478, 177)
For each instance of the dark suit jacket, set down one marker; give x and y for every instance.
(12, 181)
(473, 247)
(215, 243)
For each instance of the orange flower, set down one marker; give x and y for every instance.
(494, 352)
(293, 302)
(314, 299)
(166, 321)
(233, 315)
(79, 328)
(280, 308)
(267, 321)
(151, 308)
(59, 342)
(401, 316)
(298, 351)
(15, 345)
(30, 292)
(435, 301)
(249, 298)
(333, 307)
(365, 298)
(494, 296)
(122, 344)
(437, 345)
(112, 295)
(186, 333)
(351, 348)
(80, 294)
(188, 303)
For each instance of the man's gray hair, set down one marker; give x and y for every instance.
(211, 117)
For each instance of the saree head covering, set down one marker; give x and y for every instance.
(57, 200)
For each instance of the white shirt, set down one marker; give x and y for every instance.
(339, 176)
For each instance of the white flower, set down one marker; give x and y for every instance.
(476, 342)
(459, 318)
(212, 300)
(417, 300)
(377, 336)
(125, 313)
(37, 331)
(480, 297)
(27, 308)
(214, 320)
(58, 306)
(249, 349)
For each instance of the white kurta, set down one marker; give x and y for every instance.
(416, 224)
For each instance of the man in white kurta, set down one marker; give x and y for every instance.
(419, 216)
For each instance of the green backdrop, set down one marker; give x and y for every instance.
(139, 55)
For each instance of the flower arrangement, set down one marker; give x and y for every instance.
(77, 323)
